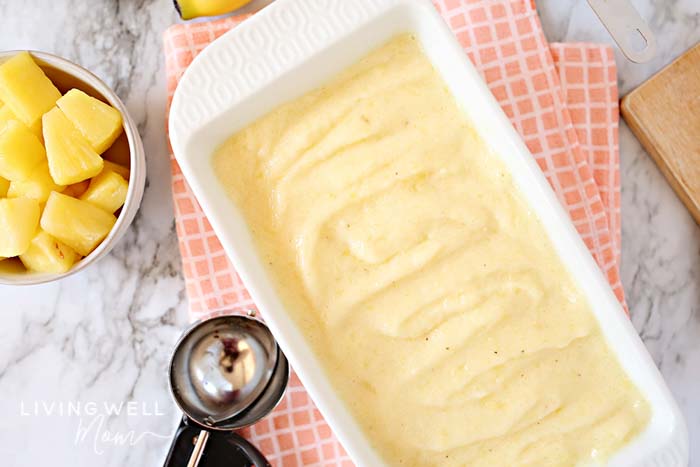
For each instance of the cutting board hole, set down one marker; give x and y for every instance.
(636, 40)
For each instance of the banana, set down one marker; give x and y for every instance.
(189, 9)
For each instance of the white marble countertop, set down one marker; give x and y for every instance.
(104, 335)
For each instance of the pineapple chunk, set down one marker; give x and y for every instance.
(119, 152)
(38, 186)
(77, 189)
(107, 190)
(116, 168)
(6, 115)
(71, 158)
(99, 123)
(18, 221)
(20, 151)
(25, 88)
(4, 186)
(46, 254)
(78, 224)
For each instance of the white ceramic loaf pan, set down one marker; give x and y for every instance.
(292, 47)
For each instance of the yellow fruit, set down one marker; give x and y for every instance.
(107, 191)
(78, 224)
(98, 122)
(4, 186)
(119, 152)
(189, 9)
(20, 151)
(46, 254)
(71, 158)
(6, 115)
(18, 221)
(38, 186)
(77, 189)
(25, 88)
(116, 168)
(36, 129)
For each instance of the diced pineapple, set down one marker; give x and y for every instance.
(99, 123)
(25, 89)
(71, 158)
(46, 254)
(38, 186)
(107, 191)
(19, 218)
(78, 224)
(119, 152)
(4, 186)
(6, 115)
(77, 189)
(116, 168)
(20, 151)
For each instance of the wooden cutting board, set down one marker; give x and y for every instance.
(664, 114)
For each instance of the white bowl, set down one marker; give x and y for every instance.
(67, 75)
(294, 46)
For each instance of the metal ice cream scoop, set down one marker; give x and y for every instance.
(221, 373)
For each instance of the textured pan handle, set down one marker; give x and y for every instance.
(623, 22)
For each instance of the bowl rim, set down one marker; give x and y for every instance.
(137, 168)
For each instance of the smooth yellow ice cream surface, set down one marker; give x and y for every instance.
(426, 286)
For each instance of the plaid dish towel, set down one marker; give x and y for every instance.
(561, 98)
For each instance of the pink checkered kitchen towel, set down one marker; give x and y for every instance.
(562, 99)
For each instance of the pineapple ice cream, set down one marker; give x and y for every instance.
(58, 195)
(424, 283)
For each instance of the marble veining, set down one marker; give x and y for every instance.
(104, 335)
